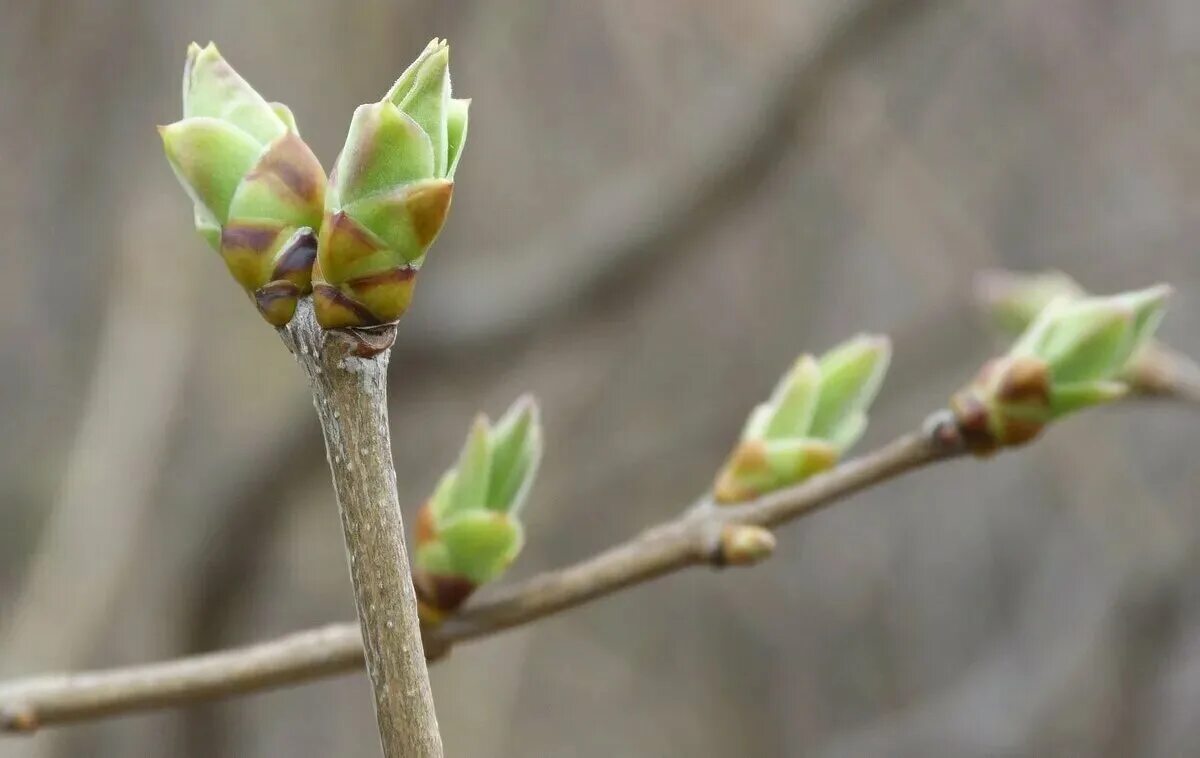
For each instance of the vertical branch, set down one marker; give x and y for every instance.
(348, 376)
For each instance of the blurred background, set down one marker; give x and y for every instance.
(660, 206)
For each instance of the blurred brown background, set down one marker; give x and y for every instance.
(661, 204)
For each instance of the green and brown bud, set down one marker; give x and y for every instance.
(257, 189)
(816, 413)
(1073, 355)
(389, 194)
(469, 531)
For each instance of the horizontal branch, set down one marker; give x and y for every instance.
(690, 540)
(29, 704)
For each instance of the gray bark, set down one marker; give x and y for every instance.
(350, 395)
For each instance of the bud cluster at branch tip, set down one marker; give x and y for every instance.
(256, 187)
(1072, 355)
(816, 413)
(469, 530)
(389, 194)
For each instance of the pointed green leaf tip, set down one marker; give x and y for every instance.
(851, 375)
(816, 413)
(213, 89)
(1073, 355)
(469, 531)
(1092, 338)
(389, 195)
(257, 189)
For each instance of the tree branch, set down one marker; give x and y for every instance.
(347, 371)
(693, 538)
(690, 540)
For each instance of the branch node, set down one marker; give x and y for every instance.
(366, 341)
(942, 431)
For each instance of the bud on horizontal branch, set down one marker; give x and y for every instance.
(257, 189)
(1012, 300)
(1072, 355)
(389, 194)
(469, 531)
(744, 545)
(817, 412)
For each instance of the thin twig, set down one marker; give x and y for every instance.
(348, 376)
(686, 541)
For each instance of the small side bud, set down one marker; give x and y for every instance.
(469, 531)
(744, 545)
(1073, 355)
(1012, 300)
(816, 413)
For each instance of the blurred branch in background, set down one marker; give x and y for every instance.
(1029, 690)
(112, 469)
(91, 534)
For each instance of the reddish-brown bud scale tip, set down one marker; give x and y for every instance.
(385, 295)
(429, 206)
(246, 248)
(973, 421)
(291, 167)
(344, 243)
(336, 311)
(444, 594)
(426, 525)
(295, 263)
(276, 302)
(1020, 431)
(1025, 380)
